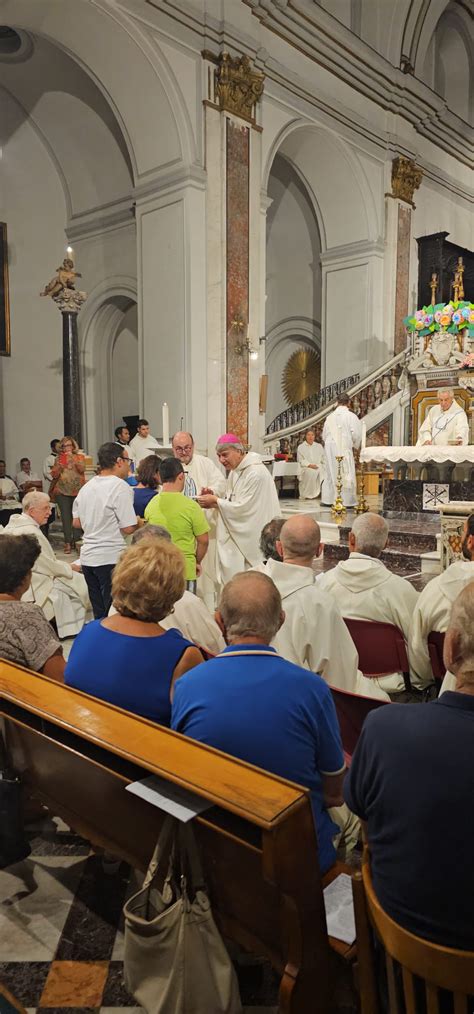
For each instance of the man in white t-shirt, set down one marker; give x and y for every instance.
(104, 510)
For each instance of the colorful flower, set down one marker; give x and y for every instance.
(448, 309)
(438, 316)
(428, 319)
(445, 319)
(419, 315)
(466, 312)
(419, 325)
(457, 317)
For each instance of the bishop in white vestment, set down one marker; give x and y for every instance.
(445, 423)
(341, 434)
(250, 501)
(309, 456)
(60, 591)
(202, 476)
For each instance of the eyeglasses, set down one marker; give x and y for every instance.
(187, 447)
(128, 460)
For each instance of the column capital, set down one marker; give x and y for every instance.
(406, 178)
(238, 87)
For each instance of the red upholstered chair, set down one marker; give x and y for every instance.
(381, 648)
(352, 710)
(435, 648)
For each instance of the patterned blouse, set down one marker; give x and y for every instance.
(70, 479)
(26, 637)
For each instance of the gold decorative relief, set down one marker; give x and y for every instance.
(301, 376)
(238, 87)
(406, 178)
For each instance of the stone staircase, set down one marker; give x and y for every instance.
(412, 548)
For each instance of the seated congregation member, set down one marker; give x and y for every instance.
(26, 637)
(104, 511)
(55, 586)
(189, 614)
(148, 479)
(129, 659)
(68, 478)
(25, 476)
(9, 495)
(434, 604)
(183, 517)
(365, 589)
(314, 634)
(259, 707)
(412, 782)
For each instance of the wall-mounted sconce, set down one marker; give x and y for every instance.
(239, 325)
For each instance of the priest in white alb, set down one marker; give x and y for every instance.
(445, 423)
(56, 587)
(202, 476)
(313, 634)
(309, 456)
(342, 433)
(143, 443)
(250, 501)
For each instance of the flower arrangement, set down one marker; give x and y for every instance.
(468, 362)
(451, 317)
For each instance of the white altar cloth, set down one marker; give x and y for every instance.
(418, 455)
(285, 469)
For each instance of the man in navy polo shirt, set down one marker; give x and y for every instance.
(412, 781)
(253, 704)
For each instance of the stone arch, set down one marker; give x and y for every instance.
(88, 32)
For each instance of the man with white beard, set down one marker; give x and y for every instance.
(313, 634)
(250, 501)
(202, 476)
(342, 433)
(445, 423)
(308, 456)
(365, 589)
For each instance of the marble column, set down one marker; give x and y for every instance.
(406, 178)
(71, 382)
(234, 89)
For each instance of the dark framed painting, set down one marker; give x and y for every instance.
(4, 300)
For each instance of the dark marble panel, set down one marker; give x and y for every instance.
(115, 994)
(237, 280)
(406, 495)
(91, 926)
(25, 980)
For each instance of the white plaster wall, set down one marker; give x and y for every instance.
(32, 205)
(125, 368)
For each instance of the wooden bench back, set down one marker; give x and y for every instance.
(258, 842)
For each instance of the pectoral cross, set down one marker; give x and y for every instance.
(433, 287)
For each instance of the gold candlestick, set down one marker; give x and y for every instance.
(338, 510)
(433, 287)
(362, 506)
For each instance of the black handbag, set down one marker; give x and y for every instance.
(14, 844)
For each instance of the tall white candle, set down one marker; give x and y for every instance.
(166, 425)
(364, 437)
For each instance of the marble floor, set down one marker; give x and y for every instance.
(61, 933)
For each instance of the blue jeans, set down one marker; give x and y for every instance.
(99, 586)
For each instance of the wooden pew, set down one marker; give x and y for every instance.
(258, 843)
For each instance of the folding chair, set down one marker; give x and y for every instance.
(416, 969)
(381, 648)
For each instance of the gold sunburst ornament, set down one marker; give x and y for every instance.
(301, 376)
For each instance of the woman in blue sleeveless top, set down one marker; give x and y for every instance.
(128, 659)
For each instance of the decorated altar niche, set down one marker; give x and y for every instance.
(440, 351)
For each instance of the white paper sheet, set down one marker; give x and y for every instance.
(171, 798)
(340, 909)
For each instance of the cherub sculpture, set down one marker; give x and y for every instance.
(64, 279)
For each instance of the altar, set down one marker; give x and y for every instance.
(424, 477)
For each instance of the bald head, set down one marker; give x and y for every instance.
(300, 539)
(250, 609)
(183, 446)
(459, 640)
(369, 535)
